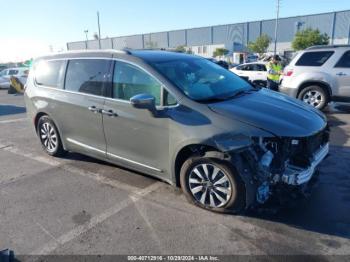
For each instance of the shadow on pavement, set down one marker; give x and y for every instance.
(11, 110)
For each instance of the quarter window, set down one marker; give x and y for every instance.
(49, 73)
(129, 81)
(88, 76)
(344, 61)
(314, 58)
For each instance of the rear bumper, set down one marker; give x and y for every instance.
(297, 176)
(293, 92)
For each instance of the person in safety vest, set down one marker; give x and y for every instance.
(274, 71)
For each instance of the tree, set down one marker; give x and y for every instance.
(95, 35)
(260, 45)
(309, 37)
(180, 49)
(220, 52)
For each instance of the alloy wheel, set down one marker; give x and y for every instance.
(314, 98)
(48, 137)
(210, 185)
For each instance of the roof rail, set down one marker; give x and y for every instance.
(325, 46)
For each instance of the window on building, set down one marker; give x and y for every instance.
(314, 58)
(129, 80)
(205, 49)
(199, 49)
(344, 61)
(88, 76)
(49, 73)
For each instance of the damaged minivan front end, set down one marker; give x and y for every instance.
(281, 152)
(266, 164)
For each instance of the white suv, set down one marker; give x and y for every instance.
(318, 75)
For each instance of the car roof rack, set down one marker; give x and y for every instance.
(325, 46)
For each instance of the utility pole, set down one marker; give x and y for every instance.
(278, 2)
(99, 29)
(86, 35)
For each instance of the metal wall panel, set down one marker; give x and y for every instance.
(93, 44)
(134, 42)
(106, 43)
(254, 31)
(76, 45)
(342, 25)
(177, 38)
(231, 35)
(199, 36)
(156, 40)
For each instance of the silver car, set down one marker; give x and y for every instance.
(177, 117)
(318, 75)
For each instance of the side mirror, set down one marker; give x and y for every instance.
(144, 101)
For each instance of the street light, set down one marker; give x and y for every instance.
(86, 35)
(276, 25)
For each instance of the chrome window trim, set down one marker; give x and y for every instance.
(110, 154)
(108, 98)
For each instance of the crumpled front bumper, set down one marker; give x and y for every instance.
(294, 175)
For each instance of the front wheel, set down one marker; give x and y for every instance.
(315, 96)
(212, 184)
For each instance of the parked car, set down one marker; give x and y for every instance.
(180, 118)
(253, 72)
(319, 75)
(5, 75)
(221, 63)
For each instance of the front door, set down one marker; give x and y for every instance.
(135, 138)
(80, 109)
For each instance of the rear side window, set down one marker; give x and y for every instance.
(49, 73)
(88, 76)
(344, 61)
(314, 58)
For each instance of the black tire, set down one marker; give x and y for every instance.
(52, 143)
(315, 96)
(235, 202)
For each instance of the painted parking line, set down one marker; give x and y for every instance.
(94, 221)
(64, 165)
(9, 121)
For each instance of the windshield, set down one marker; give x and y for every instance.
(202, 80)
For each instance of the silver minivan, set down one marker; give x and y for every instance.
(177, 117)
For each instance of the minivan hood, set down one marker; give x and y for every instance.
(273, 112)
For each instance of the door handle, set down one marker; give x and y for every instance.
(110, 113)
(94, 109)
(341, 74)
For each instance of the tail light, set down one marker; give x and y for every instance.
(288, 72)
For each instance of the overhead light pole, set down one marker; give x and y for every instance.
(86, 35)
(278, 2)
(99, 29)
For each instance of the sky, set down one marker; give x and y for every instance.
(32, 28)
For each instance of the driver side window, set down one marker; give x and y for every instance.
(129, 80)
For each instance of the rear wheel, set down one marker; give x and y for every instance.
(49, 137)
(212, 184)
(315, 96)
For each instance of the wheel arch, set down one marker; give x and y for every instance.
(189, 150)
(36, 120)
(321, 84)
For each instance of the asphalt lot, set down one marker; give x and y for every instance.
(79, 205)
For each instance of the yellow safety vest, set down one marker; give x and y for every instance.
(273, 71)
